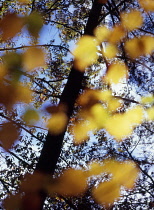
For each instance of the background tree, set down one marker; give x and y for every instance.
(70, 20)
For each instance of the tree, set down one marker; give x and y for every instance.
(110, 48)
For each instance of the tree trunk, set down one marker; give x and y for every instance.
(53, 144)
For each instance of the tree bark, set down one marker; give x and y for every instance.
(53, 143)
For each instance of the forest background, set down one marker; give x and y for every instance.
(83, 115)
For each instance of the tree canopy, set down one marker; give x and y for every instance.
(76, 104)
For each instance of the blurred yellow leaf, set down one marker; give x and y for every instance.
(101, 33)
(57, 123)
(110, 51)
(150, 113)
(8, 134)
(147, 99)
(3, 71)
(89, 97)
(132, 20)
(128, 174)
(139, 46)
(10, 25)
(85, 53)
(80, 131)
(106, 193)
(124, 173)
(24, 1)
(135, 115)
(33, 57)
(114, 104)
(34, 23)
(22, 94)
(118, 126)
(72, 182)
(121, 125)
(148, 5)
(105, 95)
(31, 116)
(99, 115)
(95, 169)
(115, 73)
(116, 34)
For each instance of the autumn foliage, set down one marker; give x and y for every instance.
(98, 109)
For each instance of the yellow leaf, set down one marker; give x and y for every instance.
(101, 33)
(57, 123)
(99, 115)
(116, 34)
(88, 98)
(148, 5)
(106, 193)
(72, 182)
(132, 20)
(139, 46)
(85, 53)
(128, 174)
(31, 116)
(80, 131)
(22, 94)
(118, 126)
(115, 73)
(110, 51)
(124, 173)
(114, 104)
(121, 125)
(24, 1)
(150, 113)
(135, 115)
(147, 99)
(15, 24)
(33, 57)
(95, 169)
(105, 95)
(34, 23)
(3, 71)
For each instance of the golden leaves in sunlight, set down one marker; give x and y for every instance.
(110, 51)
(57, 123)
(95, 169)
(115, 73)
(116, 35)
(150, 113)
(106, 193)
(148, 5)
(97, 107)
(33, 57)
(132, 20)
(8, 134)
(139, 46)
(73, 182)
(85, 53)
(123, 174)
(149, 99)
(101, 33)
(122, 125)
(10, 25)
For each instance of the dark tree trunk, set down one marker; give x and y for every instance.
(53, 144)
